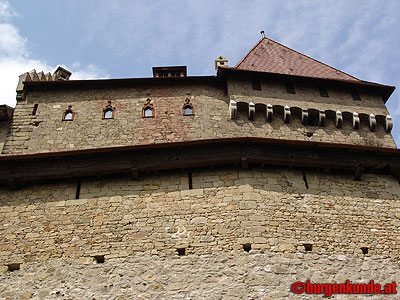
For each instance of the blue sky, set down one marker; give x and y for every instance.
(119, 39)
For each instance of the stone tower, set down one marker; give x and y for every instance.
(278, 170)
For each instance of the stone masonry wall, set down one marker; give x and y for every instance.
(139, 225)
(46, 132)
(4, 126)
(271, 209)
(220, 276)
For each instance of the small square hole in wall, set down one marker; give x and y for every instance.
(307, 247)
(247, 247)
(14, 267)
(99, 259)
(181, 251)
(364, 250)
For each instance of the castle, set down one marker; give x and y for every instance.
(231, 186)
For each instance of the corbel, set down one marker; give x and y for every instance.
(304, 116)
(286, 114)
(356, 121)
(339, 119)
(252, 110)
(388, 124)
(233, 109)
(270, 112)
(322, 119)
(372, 122)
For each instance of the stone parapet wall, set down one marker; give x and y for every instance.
(46, 132)
(272, 210)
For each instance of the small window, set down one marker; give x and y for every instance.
(108, 114)
(187, 108)
(355, 94)
(163, 74)
(256, 84)
(148, 110)
(108, 111)
(323, 92)
(68, 114)
(188, 111)
(289, 87)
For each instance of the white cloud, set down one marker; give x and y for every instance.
(90, 71)
(11, 42)
(15, 60)
(5, 11)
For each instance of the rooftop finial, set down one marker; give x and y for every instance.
(262, 33)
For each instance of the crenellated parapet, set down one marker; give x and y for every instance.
(60, 74)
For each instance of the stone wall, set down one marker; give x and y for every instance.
(46, 132)
(271, 210)
(4, 126)
(307, 95)
(139, 225)
(220, 276)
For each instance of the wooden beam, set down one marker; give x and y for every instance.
(241, 153)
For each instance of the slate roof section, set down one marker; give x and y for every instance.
(273, 57)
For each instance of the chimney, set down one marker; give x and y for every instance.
(61, 74)
(221, 62)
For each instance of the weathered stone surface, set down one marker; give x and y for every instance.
(46, 132)
(246, 276)
(139, 231)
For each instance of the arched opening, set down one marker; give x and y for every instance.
(68, 114)
(108, 114)
(148, 112)
(187, 108)
(108, 111)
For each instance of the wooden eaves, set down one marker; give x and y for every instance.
(244, 152)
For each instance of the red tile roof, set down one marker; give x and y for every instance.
(270, 56)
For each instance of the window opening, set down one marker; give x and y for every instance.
(289, 87)
(35, 107)
(187, 108)
(323, 92)
(13, 267)
(99, 259)
(108, 111)
(108, 114)
(190, 180)
(148, 110)
(181, 251)
(68, 114)
(78, 190)
(355, 94)
(256, 84)
(307, 247)
(247, 247)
